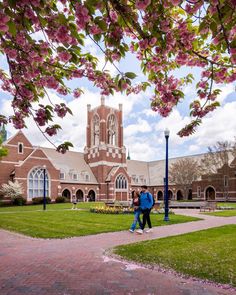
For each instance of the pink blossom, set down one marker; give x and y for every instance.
(51, 82)
(12, 53)
(18, 120)
(62, 35)
(113, 16)
(3, 22)
(115, 56)
(64, 56)
(78, 73)
(77, 93)
(61, 110)
(94, 30)
(202, 84)
(41, 116)
(175, 2)
(82, 16)
(142, 4)
(51, 130)
(62, 90)
(153, 41)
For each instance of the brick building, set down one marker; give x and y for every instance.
(102, 172)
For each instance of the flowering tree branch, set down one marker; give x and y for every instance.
(43, 42)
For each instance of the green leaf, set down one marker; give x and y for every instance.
(130, 75)
(12, 28)
(202, 26)
(102, 25)
(213, 27)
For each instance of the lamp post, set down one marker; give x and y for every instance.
(166, 218)
(44, 187)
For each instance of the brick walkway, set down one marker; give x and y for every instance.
(78, 265)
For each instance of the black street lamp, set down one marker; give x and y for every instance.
(44, 187)
(166, 218)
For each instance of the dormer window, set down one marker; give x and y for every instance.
(75, 176)
(62, 175)
(20, 148)
(86, 177)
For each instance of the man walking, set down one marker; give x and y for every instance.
(146, 204)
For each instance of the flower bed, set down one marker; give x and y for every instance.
(111, 210)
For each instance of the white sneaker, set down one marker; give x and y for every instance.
(150, 230)
(139, 231)
(131, 230)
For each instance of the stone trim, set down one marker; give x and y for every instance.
(105, 163)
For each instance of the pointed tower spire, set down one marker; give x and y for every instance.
(102, 100)
(128, 157)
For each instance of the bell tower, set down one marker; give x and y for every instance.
(104, 148)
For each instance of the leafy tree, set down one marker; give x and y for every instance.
(44, 45)
(217, 156)
(183, 172)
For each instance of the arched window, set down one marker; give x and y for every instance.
(36, 183)
(111, 130)
(121, 182)
(96, 130)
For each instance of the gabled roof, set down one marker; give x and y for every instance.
(157, 168)
(111, 173)
(69, 162)
(18, 137)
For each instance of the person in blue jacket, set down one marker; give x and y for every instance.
(146, 204)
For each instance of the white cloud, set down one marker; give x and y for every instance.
(74, 127)
(142, 126)
(143, 148)
(218, 126)
(174, 122)
(225, 91)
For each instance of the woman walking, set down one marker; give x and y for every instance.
(137, 211)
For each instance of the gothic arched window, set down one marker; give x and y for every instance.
(36, 183)
(121, 182)
(96, 130)
(111, 130)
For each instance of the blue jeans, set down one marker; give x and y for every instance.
(137, 213)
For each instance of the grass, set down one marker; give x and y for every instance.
(226, 213)
(57, 222)
(207, 254)
(54, 206)
(222, 204)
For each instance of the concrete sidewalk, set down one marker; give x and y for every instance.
(78, 265)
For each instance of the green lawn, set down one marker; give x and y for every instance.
(58, 221)
(54, 206)
(208, 254)
(226, 213)
(222, 204)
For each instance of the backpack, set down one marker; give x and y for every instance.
(149, 198)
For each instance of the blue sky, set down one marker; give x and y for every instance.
(143, 128)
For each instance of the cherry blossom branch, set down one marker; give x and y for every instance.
(105, 54)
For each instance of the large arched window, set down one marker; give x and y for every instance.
(36, 183)
(111, 130)
(96, 130)
(121, 182)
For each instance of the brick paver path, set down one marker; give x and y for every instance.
(78, 265)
